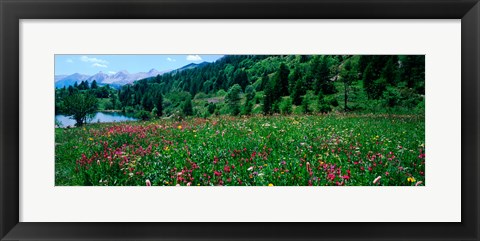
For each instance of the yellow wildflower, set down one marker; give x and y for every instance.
(411, 179)
(270, 185)
(179, 127)
(90, 139)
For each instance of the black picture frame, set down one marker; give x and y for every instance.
(12, 11)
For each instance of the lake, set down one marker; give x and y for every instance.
(103, 117)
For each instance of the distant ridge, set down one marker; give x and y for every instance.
(118, 79)
(191, 66)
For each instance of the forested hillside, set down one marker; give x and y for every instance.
(266, 84)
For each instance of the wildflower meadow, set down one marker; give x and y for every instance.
(294, 150)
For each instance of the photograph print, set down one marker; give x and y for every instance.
(239, 120)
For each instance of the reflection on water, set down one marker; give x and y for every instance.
(103, 117)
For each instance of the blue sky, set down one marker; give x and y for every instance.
(133, 63)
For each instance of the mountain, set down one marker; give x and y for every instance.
(118, 79)
(191, 66)
(59, 77)
(69, 80)
(143, 75)
(100, 77)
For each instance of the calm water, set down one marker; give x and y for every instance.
(99, 117)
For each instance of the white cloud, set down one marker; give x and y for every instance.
(69, 61)
(170, 59)
(93, 60)
(99, 65)
(194, 57)
(112, 72)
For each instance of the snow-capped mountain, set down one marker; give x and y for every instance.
(69, 80)
(100, 77)
(120, 78)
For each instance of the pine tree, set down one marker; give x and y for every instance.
(368, 81)
(281, 82)
(264, 81)
(147, 101)
(159, 104)
(298, 91)
(94, 85)
(413, 72)
(348, 76)
(233, 99)
(268, 98)
(295, 76)
(389, 71)
(322, 77)
(187, 107)
(323, 106)
(113, 101)
(306, 104)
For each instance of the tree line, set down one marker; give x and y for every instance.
(307, 81)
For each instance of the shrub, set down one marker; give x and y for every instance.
(211, 108)
(143, 115)
(323, 106)
(332, 100)
(221, 93)
(200, 95)
(286, 106)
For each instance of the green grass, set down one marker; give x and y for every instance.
(254, 151)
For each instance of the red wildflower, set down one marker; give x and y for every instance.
(331, 176)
